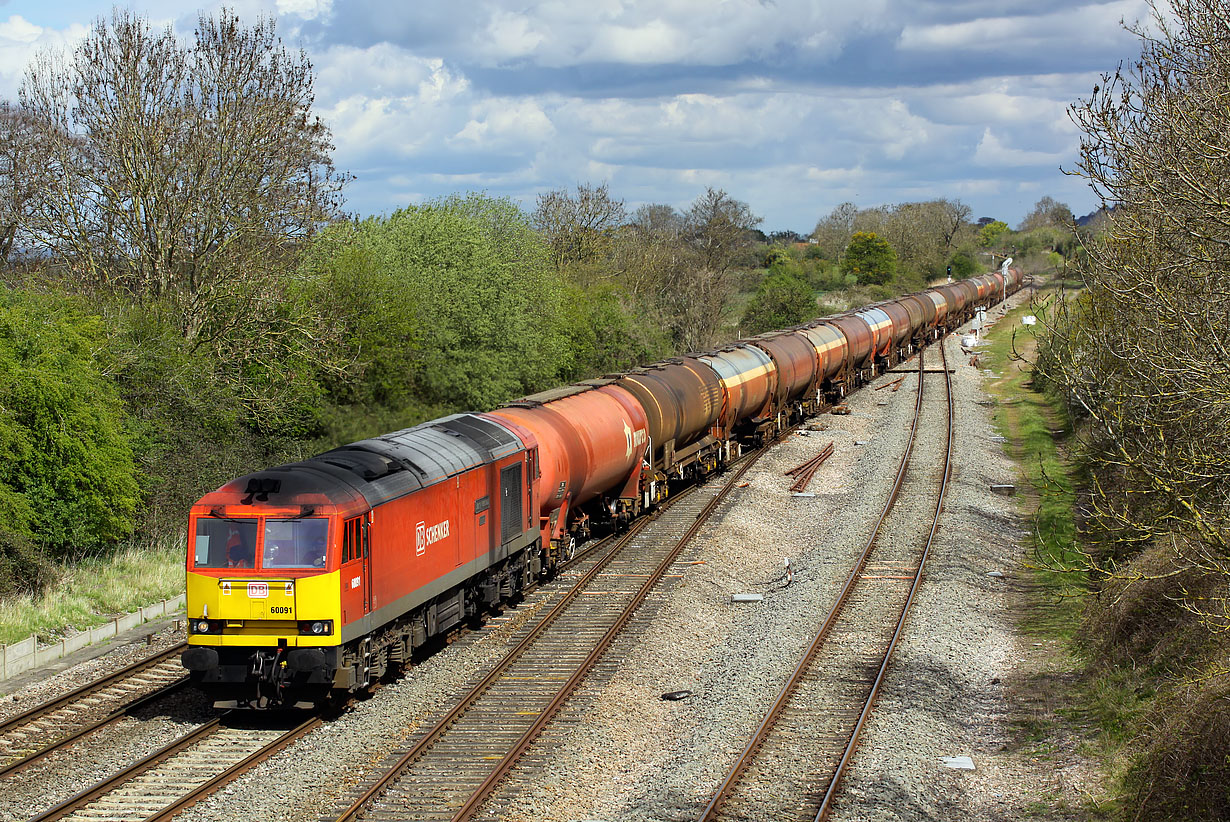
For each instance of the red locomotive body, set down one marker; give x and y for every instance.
(321, 575)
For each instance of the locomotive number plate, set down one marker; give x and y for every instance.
(258, 590)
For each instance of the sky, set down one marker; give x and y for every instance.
(793, 106)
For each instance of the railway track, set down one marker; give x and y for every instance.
(792, 767)
(167, 781)
(53, 725)
(457, 764)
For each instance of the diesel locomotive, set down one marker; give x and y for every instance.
(313, 579)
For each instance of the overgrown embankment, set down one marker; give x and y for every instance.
(1133, 682)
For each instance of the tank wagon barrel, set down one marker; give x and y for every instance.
(315, 578)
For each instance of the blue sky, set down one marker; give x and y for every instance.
(789, 105)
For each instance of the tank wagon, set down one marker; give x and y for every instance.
(316, 578)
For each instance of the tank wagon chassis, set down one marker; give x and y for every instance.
(316, 579)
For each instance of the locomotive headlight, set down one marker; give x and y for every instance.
(201, 626)
(320, 627)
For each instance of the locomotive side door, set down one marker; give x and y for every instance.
(356, 569)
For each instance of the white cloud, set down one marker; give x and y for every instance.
(512, 35)
(305, 9)
(993, 152)
(21, 40)
(505, 122)
(385, 69)
(688, 32)
(1082, 27)
(18, 29)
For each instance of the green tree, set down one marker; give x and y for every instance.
(67, 473)
(963, 265)
(782, 300)
(870, 259)
(991, 233)
(452, 304)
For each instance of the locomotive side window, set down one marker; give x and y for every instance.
(225, 543)
(353, 538)
(295, 543)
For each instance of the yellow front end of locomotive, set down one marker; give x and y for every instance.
(233, 611)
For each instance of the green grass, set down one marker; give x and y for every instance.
(1035, 425)
(96, 590)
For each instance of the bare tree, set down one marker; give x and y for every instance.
(1047, 212)
(833, 232)
(21, 176)
(579, 228)
(1145, 353)
(180, 173)
(719, 226)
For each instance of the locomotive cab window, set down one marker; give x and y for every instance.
(295, 543)
(225, 543)
(354, 539)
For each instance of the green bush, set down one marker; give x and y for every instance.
(783, 300)
(449, 304)
(67, 474)
(870, 259)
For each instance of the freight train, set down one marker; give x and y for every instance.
(316, 578)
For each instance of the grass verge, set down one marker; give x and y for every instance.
(94, 590)
(1061, 707)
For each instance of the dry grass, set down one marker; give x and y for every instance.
(95, 590)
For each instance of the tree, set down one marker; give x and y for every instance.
(870, 259)
(991, 233)
(445, 306)
(963, 265)
(579, 228)
(832, 233)
(1143, 354)
(1048, 213)
(180, 173)
(21, 175)
(781, 301)
(718, 227)
(67, 477)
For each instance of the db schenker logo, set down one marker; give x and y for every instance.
(424, 536)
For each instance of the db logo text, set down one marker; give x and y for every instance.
(424, 536)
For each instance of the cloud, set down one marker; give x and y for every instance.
(21, 40)
(497, 123)
(1083, 26)
(305, 9)
(993, 152)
